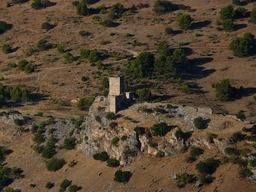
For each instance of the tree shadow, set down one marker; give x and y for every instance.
(196, 89)
(177, 32)
(239, 26)
(245, 92)
(165, 97)
(15, 49)
(200, 24)
(36, 97)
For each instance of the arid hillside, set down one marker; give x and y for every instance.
(60, 56)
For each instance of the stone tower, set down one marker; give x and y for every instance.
(116, 93)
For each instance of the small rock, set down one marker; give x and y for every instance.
(174, 176)
(99, 174)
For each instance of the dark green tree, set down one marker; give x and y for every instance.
(199, 123)
(227, 12)
(122, 176)
(55, 164)
(243, 46)
(228, 25)
(82, 9)
(116, 11)
(208, 166)
(163, 49)
(69, 143)
(184, 21)
(224, 91)
(3, 27)
(85, 103)
(42, 44)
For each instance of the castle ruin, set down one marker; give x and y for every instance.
(117, 97)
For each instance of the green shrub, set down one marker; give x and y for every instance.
(253, 16)
(241, 115)
(124, 137)
(85, 103)
(163, 6)
(6, 48)
(107, 23)
(224, 91)
(113, 124)
(195, 151)
(68, 57)
(179, 134)
(168, 30)
(3, 27)
(208, 166)
(238, 136)
(74, 188)
(244, 172)
(49, 150)
(211, 136)
(103, 156)
(47, 26)
(19, 122)
(186, 178)
(60, 48)
(75, 3)
(144, 94)
(159, 129)
(228, 25)
(49, 185)
(199, 123)
(242, 163)
(64, 184)
(205, 179)
(227, 12)
(110, 116)
(189, 159)
(231, 151)
(252, 163)
(139, 130)
(42, 45)
(184, 21)
(112, 162)
(122, 176)
(55, 164)
(69, 143)
(115, 141)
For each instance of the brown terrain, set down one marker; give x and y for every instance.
(57, 80)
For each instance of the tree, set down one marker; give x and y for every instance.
(47, 26)
(122, 176)
(6, 48)
(184, 21)
(243, 46)
(159, 129)
(64, 184)
(42, 44)
(227, 12)
(103, 156)
(55, 164)
(142, 66)
(116, 11)
(69, 143)
(40, 4)
(208, 166)
(82, 9)
(144, 94)
(195, 151)
(163, 49)
(253, 16)
(199, 123)
(240, 12)
(224, 91)
(228, 25)
(163, 6)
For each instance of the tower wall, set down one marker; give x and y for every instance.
(116, 85)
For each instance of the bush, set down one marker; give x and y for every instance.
(224, 91)
(107, 23)
(238, 136)
(208, 166)
(168, 30)
(159, 129)
(47, 26)
(243, 46)
(163, 6)
(113, 124)
(139, 130)
(179, 134)
(82, 9)
(211, 136)
(122, 176)
(186, 178)
(199, 123)
(241, 115)
(3, 27)
(85, 103)
(228, 25)
(64, 184)
(74, 188)
(231, 151)
(244, 172)
(6, 48)
(205, 179)
(42, 45)
(184, 21)
(55, 164)
(116, 11)
(189, 159)
(195, 151)
(110, 116)
(253, 16)
(49, 150)
(68, 57)
(69, 143)
(40, 4)
(19, 122)
(227, 12)
(113, 162)
(240, 12)
(49, 185)
(103, 156)
(115, 141)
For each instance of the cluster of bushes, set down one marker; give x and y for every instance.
(16, 93)
(91, 55)
(25, 66)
